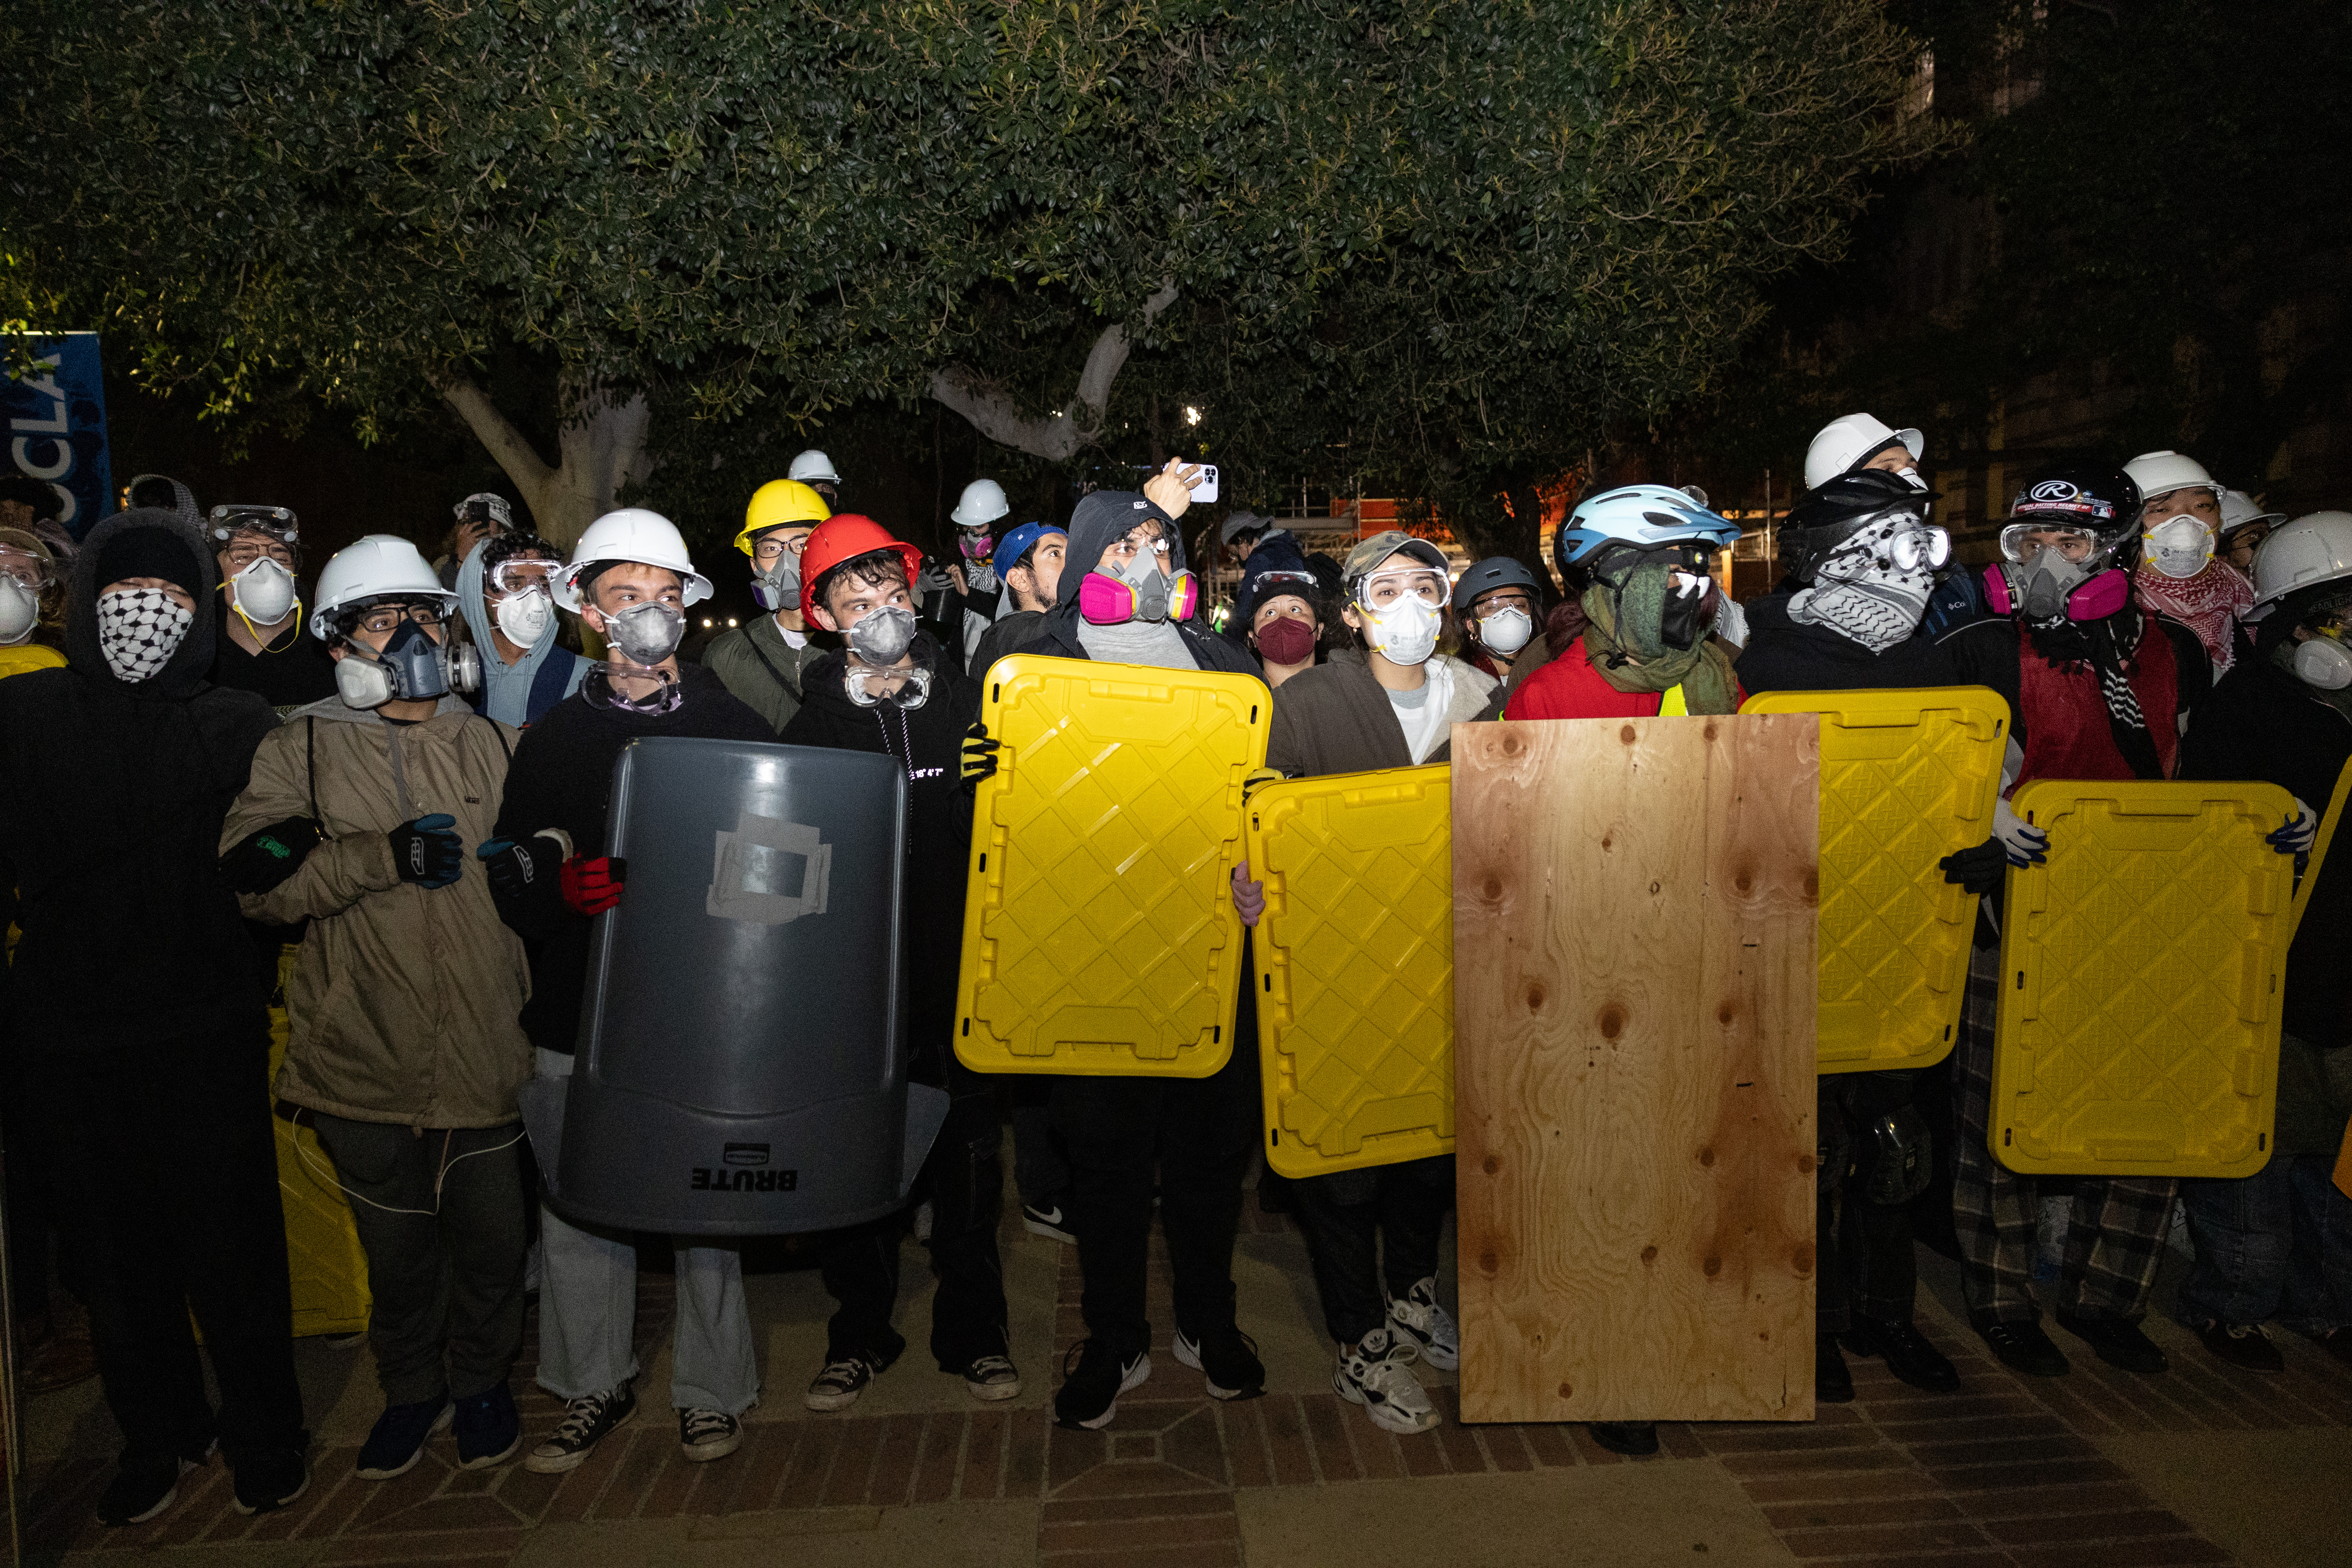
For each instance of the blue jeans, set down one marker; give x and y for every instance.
(2277, 1243)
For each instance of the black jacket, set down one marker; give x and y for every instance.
(1100, 518)
(1785, 655)
(2263, 724)
(928, 741)
(562, 776)
(1010, 635)
(111, 800)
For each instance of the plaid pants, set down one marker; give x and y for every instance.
(2116, 1236)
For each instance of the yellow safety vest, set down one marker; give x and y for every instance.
(1674, 705)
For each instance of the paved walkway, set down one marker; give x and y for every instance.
(2206, 1465)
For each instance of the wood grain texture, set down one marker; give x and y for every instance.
(1634, 907)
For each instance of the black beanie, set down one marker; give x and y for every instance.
(149, 553)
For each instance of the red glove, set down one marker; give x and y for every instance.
(592, 886)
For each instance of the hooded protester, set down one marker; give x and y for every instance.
(2098, 689)
(762, 661)
(505, 592)
(1649, 612)
(1126, 598)
(262, 647)
(403, 1041)
(146, 1067)
(890, 691)
(1278, 610)
(1391, 705)
(551, 874)
(2280, 1242)
(1864, 558)
(2180, 576)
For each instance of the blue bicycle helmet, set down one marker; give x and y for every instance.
(1642, 516)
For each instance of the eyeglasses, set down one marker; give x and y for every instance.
(245, 549)
(767, 552)
(1380, 591)
(385, 620)
(522, 575)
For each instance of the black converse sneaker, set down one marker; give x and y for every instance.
(707, 1435)
(587, 1421)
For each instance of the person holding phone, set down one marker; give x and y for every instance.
(479, 516)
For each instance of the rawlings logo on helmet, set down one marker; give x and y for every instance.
(2054, 490)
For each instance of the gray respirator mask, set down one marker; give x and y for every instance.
(412, 668)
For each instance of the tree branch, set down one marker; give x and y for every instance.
(1056, 437)
(507, 446)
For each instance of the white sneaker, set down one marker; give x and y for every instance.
(1376, 1376)
(1426, 1327)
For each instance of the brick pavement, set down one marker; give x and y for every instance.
(2001, 1475)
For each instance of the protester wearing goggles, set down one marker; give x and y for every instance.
(506, 593)
(28, 585)
(763, 660)
(262, 647)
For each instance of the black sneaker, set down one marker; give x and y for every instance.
(1907, 1351)
(1833, 1383)
(2023, 1347)
(2118, 1344)
(1088, 1397)
(587, 1421)
(270, 1479)
(992, 1377)
(398, 1440)
(706, 1434)
(1050, 1219)
(489, 1429)
(144, 1488)
(839, 1384)
(1632, 1439)
(2242, 1344)
(1227, 1362)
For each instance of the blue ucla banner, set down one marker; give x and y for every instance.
(56, 418)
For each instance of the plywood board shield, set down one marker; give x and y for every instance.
(1633, 998)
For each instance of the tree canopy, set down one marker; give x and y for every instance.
(1440, 246)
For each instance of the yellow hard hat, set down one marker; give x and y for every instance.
(781, 503)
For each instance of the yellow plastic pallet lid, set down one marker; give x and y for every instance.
(2141, 969)
(1907, 777)
(1099, 933)
(1355, 968)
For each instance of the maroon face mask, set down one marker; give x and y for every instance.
(1285, 641)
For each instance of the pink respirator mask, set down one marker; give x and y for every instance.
(2095, 599)
(1108, 601)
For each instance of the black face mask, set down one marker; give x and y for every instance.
(1682, 621)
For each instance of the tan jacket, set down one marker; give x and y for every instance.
(403, 1007)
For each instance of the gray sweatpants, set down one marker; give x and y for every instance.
(588, 1310)
(445, 1272)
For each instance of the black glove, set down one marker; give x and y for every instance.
(980, 750)
(270, 855)
(1976, 870)
(426, 851)
(519, 866)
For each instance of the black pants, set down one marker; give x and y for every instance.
(32, 1239)
(1199, 1133)
(168, 1184)
(1867, 1264)
(1405, 1204)
(964, 1178)
(447, 1281)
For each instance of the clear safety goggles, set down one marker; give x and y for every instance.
(521, 576)
(274, 520)
(1916, 547)
(1383, 589)
(2022, 542)
(29, 569)
(1136, 542)
(906, 689)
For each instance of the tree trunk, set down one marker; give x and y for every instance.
(1063, 435)
(600, 448)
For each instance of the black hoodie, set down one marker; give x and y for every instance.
(928, 741)
(1101, 518)
(112, 799)
(562, 776)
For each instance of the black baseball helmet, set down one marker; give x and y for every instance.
(1485, 576)
(2096, 498)
(1839, 509)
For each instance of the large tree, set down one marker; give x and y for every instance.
(1439, 245)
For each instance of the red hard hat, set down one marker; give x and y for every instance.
(844, 537)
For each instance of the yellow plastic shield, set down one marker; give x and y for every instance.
(2141, 968)
(1355, 968)
(1099, 933)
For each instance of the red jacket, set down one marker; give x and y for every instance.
(1570, 687)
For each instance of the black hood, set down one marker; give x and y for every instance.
(1101, 518)
(184, 674)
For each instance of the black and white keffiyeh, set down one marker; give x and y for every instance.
(1859, 593)
(138, 629)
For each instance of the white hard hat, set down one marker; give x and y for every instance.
(1851, 440)
(632, 534)
(2312, 549)
(813, 464)
(376, 565)
(982, 502)
(2162, 473)
(2238, 509)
